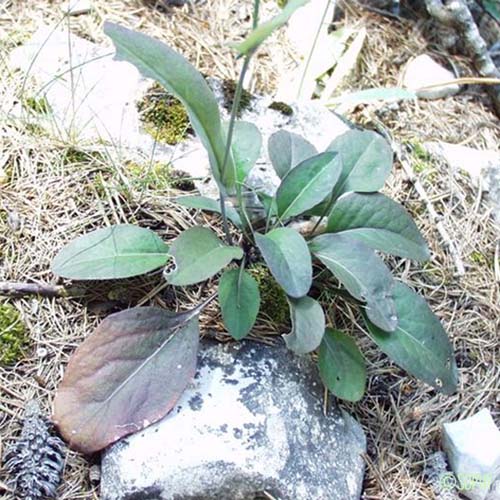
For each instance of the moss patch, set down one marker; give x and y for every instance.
(273, 301)
(281, 3)
(282, 107)
(164, 117)
(159, 176)
(229, 90)
(13, 338)
(422, 161)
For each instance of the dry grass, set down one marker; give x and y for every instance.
(50, 201)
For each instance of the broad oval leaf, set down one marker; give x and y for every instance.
(239, 300)
(119, 251)
(419, 345)
(210, 205)
(246, 145)
(287, 150)
(362, 272)
(308, 184)
(199, 254)
(157, 60)
(287, 256)
(126, 375)
(341, 366)
(264, 30)
(378, 222)
(308, 325)
(366, 161)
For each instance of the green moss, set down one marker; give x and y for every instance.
(75, 156)
(229, 90)
(282, 107)
(159, 176)
(40, 106)
(281, 3)
(13, 338)
(164, 117)
(479, 258)
(421, 158)
(273, 302)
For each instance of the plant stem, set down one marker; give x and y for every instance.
(17, 289)
(313, 47)
(234, 112)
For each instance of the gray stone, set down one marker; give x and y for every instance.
(440, 479)
(423, 71)
(482, 166)
(473, 449)
(77, 7)
(252, 421)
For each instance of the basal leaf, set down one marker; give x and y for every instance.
(246, 145)
(210, 205)
(308, 325)
(308, 184)
(366, 161)
(287, 256)
(157, 60)
(264, 30)
(287, 150)
(378, 222)
(362, 272)
(341, 366)
(419, 345)
(239, 300)
(126, 375)
(113, 252)
(199, 254)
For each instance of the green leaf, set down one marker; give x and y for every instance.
(308, 184)
(239, 299)
(363, 273)
(378, 222)
(264, 30)
(419, 345)
(157, 60)
(287, 150)
(492, 7)
(341, 366)
(308, 325)
(246, 145)
(287, 256)
(113, 252)
(268, 202)
(126, 375)
(366, 161)
(210, 205)
(198, 255)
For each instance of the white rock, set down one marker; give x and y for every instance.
(77, 7)
(423, 71)
(483, 167)
(252, 420)
(473, 449)
(92, 97)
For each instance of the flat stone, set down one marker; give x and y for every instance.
(423, 71)
(77, 7)
(91, 96)
(482, 166)
(473, 449)
(251, 421)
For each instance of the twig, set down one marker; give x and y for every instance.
(436, 219)
(456, 14)
(17, 289)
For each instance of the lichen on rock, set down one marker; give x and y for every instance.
(164, 117)
(13, 338)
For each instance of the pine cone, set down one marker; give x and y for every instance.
(36, 459)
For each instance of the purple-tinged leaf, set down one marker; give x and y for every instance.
(128, 374)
